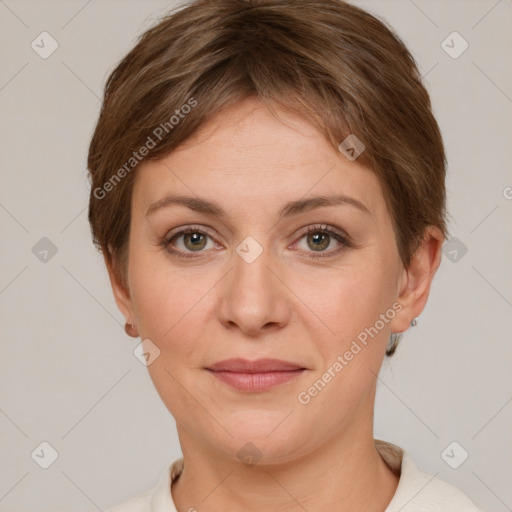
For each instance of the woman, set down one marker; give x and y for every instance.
(268, 194)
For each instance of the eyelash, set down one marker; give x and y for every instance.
(317, 228)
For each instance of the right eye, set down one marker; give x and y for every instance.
(189, 240)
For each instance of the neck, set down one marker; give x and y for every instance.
(345, 474)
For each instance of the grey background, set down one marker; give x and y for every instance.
(67, 372)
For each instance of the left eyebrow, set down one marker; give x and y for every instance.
(291, 208)
(302, 205)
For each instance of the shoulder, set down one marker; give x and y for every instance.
(156, 499)
(138, 503)
(420, 492)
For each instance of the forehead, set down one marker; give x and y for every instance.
(246, 152)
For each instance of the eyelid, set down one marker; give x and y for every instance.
(338, 234)
(192, 227)
(322, 227)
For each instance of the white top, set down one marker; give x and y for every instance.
(416, 491)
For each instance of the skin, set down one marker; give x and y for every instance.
(285, 305)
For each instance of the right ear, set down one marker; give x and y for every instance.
(120, 289)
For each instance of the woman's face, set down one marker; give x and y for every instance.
(248, 281)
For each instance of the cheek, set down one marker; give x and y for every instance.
(350, 300)
(173, 304)
(351, 305)
(170, 310)
(167, 301)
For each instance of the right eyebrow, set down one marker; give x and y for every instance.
(291, 208)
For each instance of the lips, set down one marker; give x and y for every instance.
(255, 376)
(258, 366)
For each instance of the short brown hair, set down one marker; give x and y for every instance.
(328, 61)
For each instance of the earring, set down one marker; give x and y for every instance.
(131, 330)
(414, 322)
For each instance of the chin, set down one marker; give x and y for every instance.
(262, 437)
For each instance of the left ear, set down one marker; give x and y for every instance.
(414, 286)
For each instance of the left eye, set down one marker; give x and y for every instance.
(318, 239)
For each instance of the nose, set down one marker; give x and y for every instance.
(254, 297)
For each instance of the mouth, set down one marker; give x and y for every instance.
(255, 376)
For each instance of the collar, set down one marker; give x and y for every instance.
(416, 491)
